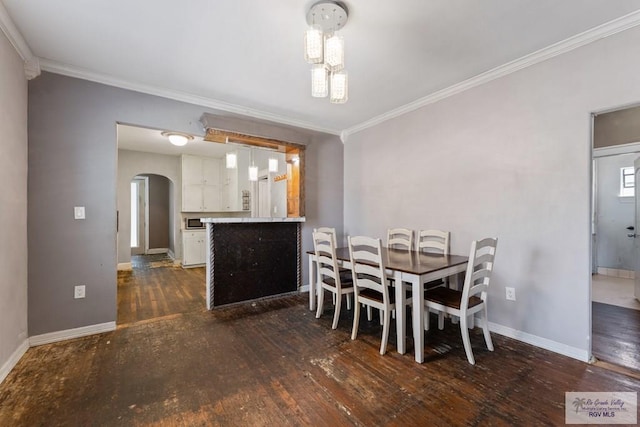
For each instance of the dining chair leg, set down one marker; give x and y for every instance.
(336, 314)
(426, 318)
(369, 313)
(464, 331)
(356, 320)
(320, 302)
(385, 330)
(334, 298)
(485, 329)
(440, 320)
(348, 301)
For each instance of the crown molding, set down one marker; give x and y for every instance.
(58, 68)
(605, 30)
(31, 64)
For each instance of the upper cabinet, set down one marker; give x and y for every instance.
(201, 190)
(208, 186)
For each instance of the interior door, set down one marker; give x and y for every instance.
(636, 243)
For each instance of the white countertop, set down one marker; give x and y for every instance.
(243, 220)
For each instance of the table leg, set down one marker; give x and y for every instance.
(401, 313)
(417, 311)
(312, 282)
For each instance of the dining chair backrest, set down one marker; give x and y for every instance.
(433, 241)
(400, 238)
(325, 249)
(366, 265)
(479, 269)
(328, 230)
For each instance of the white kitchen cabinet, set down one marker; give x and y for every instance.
(194, 247)
(229, 189)
(201, 189)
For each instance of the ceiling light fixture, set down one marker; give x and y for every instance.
(324, 48)
(177, 138)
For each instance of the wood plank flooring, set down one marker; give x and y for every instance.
(156, 288)
(271, 363)
(616, 335)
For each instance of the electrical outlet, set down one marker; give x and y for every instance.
(511, 293)
(78, 291)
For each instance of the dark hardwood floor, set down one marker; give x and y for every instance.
(157, 288)
(271, 363)
(616, 335)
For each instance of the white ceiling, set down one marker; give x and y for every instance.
(246, 55)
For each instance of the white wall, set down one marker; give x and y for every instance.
(511, 159)
(13, 208)
(614, 214)
(130, 164)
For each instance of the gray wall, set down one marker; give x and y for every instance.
(73, 161)
(511, 159)
(617, 127)
(614, 214)
(159, 206)
(13, 206)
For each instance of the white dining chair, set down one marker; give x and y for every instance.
(434, 242)
(345, 272)
(472, 298)
(400, 238)
(370, 283)
(329, 277)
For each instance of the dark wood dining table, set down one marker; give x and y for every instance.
(413, 267)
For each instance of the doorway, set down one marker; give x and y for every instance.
(615, 313)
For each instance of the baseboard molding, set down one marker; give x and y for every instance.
(68, 334)
(171, 254)
(124, 266)
(156, 251)
(13, 360)
(304, 288)
(556, 347)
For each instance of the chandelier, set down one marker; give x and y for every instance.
(324, 49)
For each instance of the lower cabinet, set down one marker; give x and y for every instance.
(194, 248)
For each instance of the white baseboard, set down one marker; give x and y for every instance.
(171, 254)
(13, 360)
(155, 251)
(124, 266)
(71, 333)
(556, 347)
(304, 288)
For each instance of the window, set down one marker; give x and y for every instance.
(627, 182)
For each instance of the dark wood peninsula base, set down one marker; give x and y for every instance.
(252, 258)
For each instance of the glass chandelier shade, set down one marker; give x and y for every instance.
(334, 52)
(313, 45)
(253, 173)
(231, 160)
(339, 88)
(273, 164)
(319, 81)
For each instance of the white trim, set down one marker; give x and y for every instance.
(71, 333)
(554, 346)
(155, 251)
(605, 30)
(13, 360)
(304, 288)
(31, 62)
(67, 70)
(125, 266)
(615, 150)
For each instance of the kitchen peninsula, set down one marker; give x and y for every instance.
(251, 258)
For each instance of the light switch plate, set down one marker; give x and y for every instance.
(78, 212)
(79, 291)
